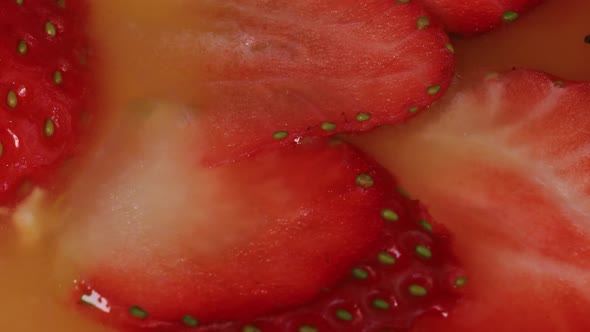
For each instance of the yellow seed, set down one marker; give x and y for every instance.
(50, 29)
(22, 47)
(328, 126)
(58, 77)
(422, 22)
(11, 99)
(49, 128)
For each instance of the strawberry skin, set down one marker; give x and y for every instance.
(267, 73)
(512, 162)
(264, 241)
(470, 17)
(43, 90)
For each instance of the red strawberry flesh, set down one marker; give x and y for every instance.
(266, 73)
(262, 236)
(469, 17)
(511, 159)
(43, 90)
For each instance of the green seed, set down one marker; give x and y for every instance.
(460, 282)
(307, 328)
(1, 149)
(403, 192)
(328, 126)
(11, 99)
(389, 215)
(364, 181)
(49, 128)
(344, 315)
(509, 16)
(362, 117)
(58, 77)
(380, 304)
(19, 2)
(280, 135)
(359, 273)
(450, 47)
(22, 48)
(423, 251)
(417, 290)
(189, 320)
(386, 258)
(61, 3)
(50, 29)
(432, 90)
(403, 1)
(250, 328)
(83, 59)
(427, 226)
(138, 312)
(413, 109)
(422, 22)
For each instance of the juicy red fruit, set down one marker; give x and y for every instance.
(43, 90)
(469, 17)
(273, 71)
(264, 240)
(511, 157)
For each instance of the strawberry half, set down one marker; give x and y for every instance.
(162, 243)
(470, 17)
(43, 88)
(270, 72)
(505, 166)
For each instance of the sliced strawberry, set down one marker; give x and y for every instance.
(469, 17)
(505, 165)
(266, 72)
(165, 241)
(43, 89)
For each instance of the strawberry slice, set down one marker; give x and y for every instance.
(160, 242)
(470, 17)
(505, 166)
(269, 72)
(43, 89)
